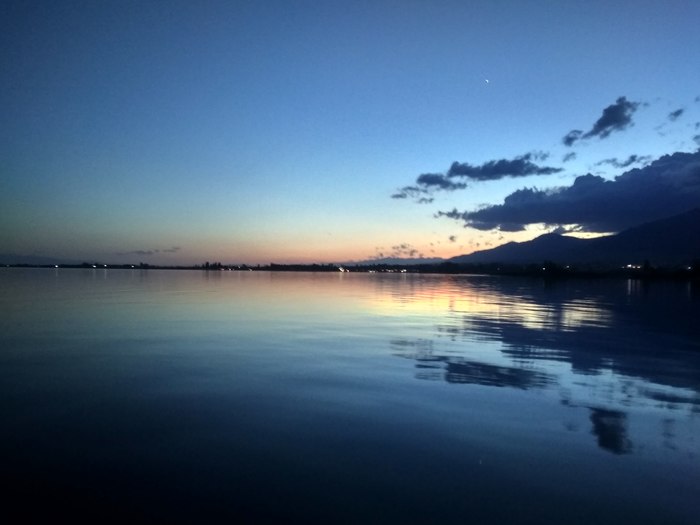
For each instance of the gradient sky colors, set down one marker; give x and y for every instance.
(255, 132)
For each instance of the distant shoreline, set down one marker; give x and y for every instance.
(547, 270)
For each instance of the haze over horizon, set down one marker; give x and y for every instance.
(247, 132)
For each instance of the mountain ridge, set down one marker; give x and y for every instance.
(670, 241)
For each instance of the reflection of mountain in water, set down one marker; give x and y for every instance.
(610, 347)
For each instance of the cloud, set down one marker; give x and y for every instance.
(615, 117)
(439, 181)
(425, 185)
(632, 159)
(696, 138)
(452, 238)
(569, 156)
(398, 251)
(673, 116)
(152, 251)
(521, 166)
(408, 191)
(667, 186)
(571, 137)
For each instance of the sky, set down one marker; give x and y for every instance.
(243, 132)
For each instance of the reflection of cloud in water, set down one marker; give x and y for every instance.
(454, 369)
(610, 428)
(598, 347)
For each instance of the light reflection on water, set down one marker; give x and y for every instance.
(352, 398)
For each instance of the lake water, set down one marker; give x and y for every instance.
(349, 398)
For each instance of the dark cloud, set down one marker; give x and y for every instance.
(615, 117)
(571, 137)
(569, 156)
(521, 166)
(632, 159)
(438, 181)
(675, 114)
(452, 238)
(696, 138)
(425, 185)
(667, 186)
(452, 214)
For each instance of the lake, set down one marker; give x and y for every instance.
(256, 397)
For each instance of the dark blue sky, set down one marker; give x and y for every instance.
(278, 131)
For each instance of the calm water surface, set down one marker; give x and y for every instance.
(349, 398)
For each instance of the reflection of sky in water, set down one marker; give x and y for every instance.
(258, 387)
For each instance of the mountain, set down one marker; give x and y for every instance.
(549, 246)
(666, 242)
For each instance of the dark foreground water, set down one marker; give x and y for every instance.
(348, 398)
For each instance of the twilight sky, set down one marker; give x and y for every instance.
(327, 131)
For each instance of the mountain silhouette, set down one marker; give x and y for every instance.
(666, 242)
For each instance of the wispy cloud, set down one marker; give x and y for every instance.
(632, 159)
(402, 250)
(673, 116)
(152, 251)
(426, 184)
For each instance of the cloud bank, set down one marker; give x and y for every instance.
(667, 186)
